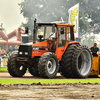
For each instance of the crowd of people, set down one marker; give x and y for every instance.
(10, 50)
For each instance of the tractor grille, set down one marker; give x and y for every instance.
(25, 51)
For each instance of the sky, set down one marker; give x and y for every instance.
(10, 15)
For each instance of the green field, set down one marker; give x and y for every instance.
(46, 81)
(3, 69)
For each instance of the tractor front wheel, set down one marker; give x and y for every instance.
(15, 68)
(48, 65)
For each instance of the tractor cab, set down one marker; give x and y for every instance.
(62, 33)
(45, 36)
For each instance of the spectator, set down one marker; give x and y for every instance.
(4, 53)
(15, 48)
(9, 50)
(95, 50)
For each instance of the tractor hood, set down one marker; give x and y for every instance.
(43, 44)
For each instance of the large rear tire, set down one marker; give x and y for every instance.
(77, 62)
(82, 62)
(66, 62)
(48, 65)
(14, 67)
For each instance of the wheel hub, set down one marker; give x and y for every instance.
(51, 66)
(84, 62)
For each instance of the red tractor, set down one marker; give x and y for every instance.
(54, 50)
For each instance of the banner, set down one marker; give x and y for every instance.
(74, 18)
(3, 61)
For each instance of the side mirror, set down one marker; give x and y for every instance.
(26, 30)
(62, 30)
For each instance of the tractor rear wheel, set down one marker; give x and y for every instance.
(34, 70)
(76, 62)
(15, 68)
(66, 63)
(48, 65)
(82, 62)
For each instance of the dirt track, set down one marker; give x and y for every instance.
(4, 75)
(49, 92)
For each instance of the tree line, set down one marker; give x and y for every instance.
(53, 10)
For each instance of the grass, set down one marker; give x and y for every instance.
(50, 81)
(3, 69)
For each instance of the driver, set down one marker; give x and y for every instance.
(52, 34)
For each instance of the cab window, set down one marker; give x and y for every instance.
(62, 36)
(70, 34)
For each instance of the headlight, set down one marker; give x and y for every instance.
(20, 53)
(26, 53)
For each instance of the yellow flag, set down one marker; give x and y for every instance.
(74, 18)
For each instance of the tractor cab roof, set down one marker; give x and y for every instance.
(54, 24)
(47, 24)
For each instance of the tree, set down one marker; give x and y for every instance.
(53, 10)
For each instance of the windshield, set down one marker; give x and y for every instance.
(47, 32)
